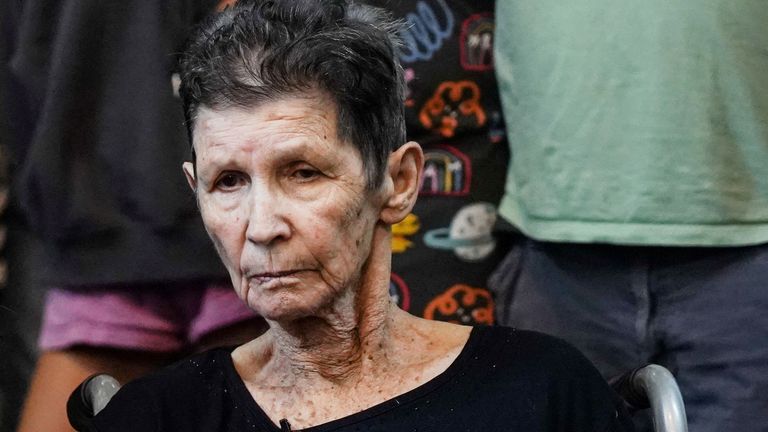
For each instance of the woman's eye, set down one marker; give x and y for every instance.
(305, 174)
(229, 181)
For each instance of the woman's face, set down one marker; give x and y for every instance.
(285, 203)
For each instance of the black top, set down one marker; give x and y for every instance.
(503, 380)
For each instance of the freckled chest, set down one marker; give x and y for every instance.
(309, 408)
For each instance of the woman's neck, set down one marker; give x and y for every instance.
(337, 345)
(317, 370)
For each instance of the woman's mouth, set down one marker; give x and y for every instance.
(280, 277)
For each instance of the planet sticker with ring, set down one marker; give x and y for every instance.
(469, 235)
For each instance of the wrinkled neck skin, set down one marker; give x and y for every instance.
(352, 338)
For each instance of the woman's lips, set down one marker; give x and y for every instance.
(269, 278)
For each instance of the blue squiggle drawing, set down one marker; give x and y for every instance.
(425, 33)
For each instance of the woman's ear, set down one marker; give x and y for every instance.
(405, 167)
(189, 173)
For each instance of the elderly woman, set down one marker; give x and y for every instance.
(295, 112)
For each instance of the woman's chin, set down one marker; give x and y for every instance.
(282, 309)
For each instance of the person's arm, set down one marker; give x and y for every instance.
(59, 372)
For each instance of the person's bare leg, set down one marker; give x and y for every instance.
(58, 373)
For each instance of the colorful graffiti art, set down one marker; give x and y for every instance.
(454, 105)
(470, 235)
(399, 292)
(426, 32)
(477, 42)
(409, 74)
(462, 304)
(496, 128)
(401, 230)
(447, 172)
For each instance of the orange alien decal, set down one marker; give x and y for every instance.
(462, 304)
(454, 105)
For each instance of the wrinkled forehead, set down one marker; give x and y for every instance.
(273, 135)
(312, 113)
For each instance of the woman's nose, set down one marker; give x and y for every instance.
(267, 221)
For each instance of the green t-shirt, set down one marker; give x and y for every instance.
(636, 122)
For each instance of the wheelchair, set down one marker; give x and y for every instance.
(651, 386)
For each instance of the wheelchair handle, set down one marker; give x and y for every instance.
(664, 396)
(654, 386)
(89, 398)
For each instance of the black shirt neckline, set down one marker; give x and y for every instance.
(242, 396)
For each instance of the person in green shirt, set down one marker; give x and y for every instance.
(639, 183)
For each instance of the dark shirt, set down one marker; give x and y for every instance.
(98, 176)
(503, 380)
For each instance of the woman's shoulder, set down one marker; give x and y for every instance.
(515, 357)
(202, 369)
(524, 344)
(527, 370)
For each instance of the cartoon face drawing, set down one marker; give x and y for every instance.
(453, 106)
(462, 304)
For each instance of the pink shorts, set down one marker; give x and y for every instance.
(160, 318)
